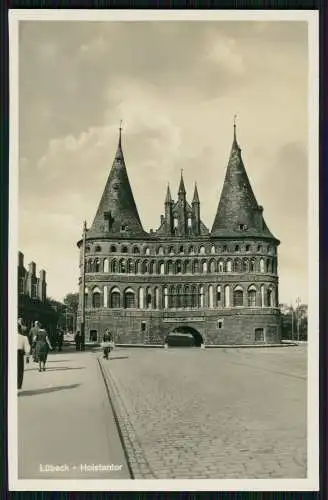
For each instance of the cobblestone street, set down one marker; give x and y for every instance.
(214, 413)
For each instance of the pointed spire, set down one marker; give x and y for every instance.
(182, 189)
(196, 197)
(168, 198)
(117, 211)
(238, 209)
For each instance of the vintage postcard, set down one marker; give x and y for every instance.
(163, 250)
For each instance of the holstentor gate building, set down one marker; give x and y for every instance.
(221, 285)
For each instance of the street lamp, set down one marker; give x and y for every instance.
(83, 289)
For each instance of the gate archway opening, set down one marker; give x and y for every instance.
(184, 336)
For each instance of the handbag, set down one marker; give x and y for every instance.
(105, 344)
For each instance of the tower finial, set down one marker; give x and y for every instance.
(234, 127)
(120, 129)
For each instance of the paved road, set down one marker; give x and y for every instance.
(64, 418)
(214, 413)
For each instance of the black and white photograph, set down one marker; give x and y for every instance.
(163, 250)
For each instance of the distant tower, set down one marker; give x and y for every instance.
(168, 211)
(196, 212)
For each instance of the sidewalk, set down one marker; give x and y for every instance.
(65, 419)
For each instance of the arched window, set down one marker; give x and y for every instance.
(259, 248)
(245, 265)
(160, 251)
(202, 249)
(191, 250)
(201, 296)
(252, 265)
(218, 295)
(268, 265)
(129, 267)
(122, 266)
(178, 267)
(171, 297)
(161, 268)
(238, 297)
(147, 251)
(262, 265)
(115, 299)
(144, 267)
(237, 266)
(251, 296)
(96, 298)
(237, 248)
(113, 248)
(97, 265)
(179, 297)
(228, 266)
(137, 267)
(186, 267)
(98, 248)
(166, 301)
(124, 249)
(86, 296)
(194, 296)
(204, 266)
(170, 267)
(114, 266)
(106, 266)
(136, 250)
(227, 296)
(195, 267)
(156, 298)
(210, 296)
(213, 249)
(141, 298)
(148, 298)
(129, 299)
(248, 248)
(269, 297)
(221, 267)
(187, 297)
(212, 266)
(171, 251)
(225, 248)
(181, 250)
(151, 267)
(89, 266)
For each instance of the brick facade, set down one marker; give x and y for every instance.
(221, 284)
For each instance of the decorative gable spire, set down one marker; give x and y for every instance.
(195, 197)
(182, 189)
(117, 211)
(238, 210)
(168, 198)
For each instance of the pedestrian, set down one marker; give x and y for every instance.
(23, 348)
(106, 343)
(78, 339)
(33, 332)
(60, 339)
(42, 346)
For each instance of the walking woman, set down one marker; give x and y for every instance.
(106, 343)
(42, 346)
(23, 348)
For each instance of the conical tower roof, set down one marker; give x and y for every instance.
(238, 213)
(168, 198)
(117, 211)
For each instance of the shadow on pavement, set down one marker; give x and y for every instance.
(47, 390)
(61, 368)
(119, 357)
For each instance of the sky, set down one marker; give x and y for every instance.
(177, 87)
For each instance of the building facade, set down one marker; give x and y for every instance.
(220, 285)
(32, 296)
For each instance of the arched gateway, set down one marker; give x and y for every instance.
(184, 336)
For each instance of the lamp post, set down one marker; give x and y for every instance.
(83, 289)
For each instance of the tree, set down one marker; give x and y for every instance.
(294, 322)
(71, 302)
